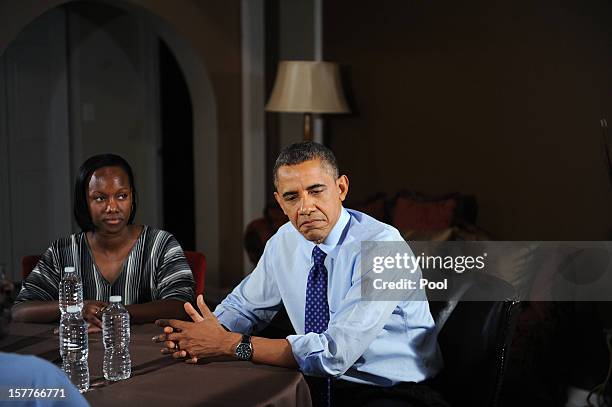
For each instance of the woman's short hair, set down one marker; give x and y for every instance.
(81, 186)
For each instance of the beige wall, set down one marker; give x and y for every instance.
(499, 99)
(113, 84)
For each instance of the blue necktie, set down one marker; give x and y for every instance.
(317, 317)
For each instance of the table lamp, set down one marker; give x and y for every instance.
(307, 87)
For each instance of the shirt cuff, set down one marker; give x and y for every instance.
(233, 321)
(308, 352)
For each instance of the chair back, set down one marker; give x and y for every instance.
(197, 263)
(475, 338)
(27, 265)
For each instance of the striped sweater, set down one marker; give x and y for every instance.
(155, 269)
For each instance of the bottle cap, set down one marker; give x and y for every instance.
(68, 269)
(115, 298)
(73, 308)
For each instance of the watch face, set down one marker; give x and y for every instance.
(244, 351)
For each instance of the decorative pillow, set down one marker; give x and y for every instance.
(430, 235)
(468, 231)
(375, 207)
(423, 215)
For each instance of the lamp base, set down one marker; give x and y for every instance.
(307, 126)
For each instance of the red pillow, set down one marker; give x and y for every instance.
(374, 207)
(423, 215)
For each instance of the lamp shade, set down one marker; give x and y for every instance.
(307, 87)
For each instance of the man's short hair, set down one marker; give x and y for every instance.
(298, 153)
(81, 186)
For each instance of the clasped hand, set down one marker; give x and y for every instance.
(204, 337)
(92, 313)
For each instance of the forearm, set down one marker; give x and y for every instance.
(36, 311)
(275, 352)
(150, 311)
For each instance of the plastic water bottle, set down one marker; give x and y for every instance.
(74, 347)
(116, 334)
(70, 290)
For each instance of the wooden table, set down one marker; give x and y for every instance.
(159, 380)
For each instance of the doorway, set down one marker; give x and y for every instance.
(83, 79)
(177, 150)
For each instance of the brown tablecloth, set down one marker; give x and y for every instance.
(159, 380)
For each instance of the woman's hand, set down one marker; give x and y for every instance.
(92, 313)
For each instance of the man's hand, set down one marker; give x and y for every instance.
(92, 313)
(204, 337)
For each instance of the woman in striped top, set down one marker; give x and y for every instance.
(147, 267)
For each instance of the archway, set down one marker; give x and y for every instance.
(210, 61)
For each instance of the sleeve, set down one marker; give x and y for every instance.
(351, 330)
(255, 301)
(50, 376)
(352, 327)
(33, 372)
(173, 275)
(43, 282)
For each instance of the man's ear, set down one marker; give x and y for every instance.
(280, 202)
(343, 184)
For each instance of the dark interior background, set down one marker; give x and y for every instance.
(177, 148)
(499, 99)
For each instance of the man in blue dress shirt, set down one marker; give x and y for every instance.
(312, 266)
